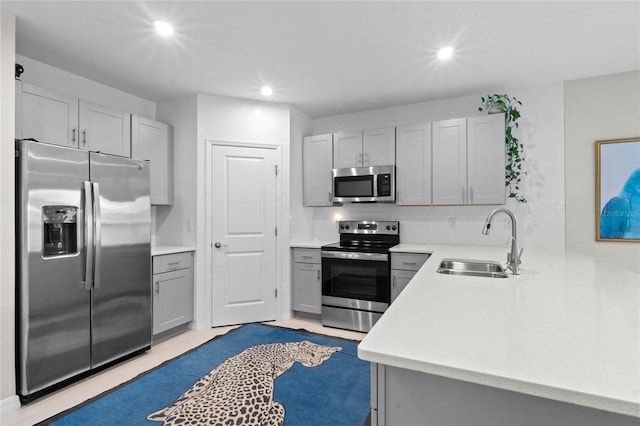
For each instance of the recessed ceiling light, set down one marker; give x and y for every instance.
(266, 91)
(445, 52)
(163, 28)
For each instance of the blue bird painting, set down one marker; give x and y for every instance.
(620, 217)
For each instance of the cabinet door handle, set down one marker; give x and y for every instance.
(84, 137)
(464, 198)
(471, 194)
(330, 197)
(158, 286)
(394, 282)
(73, 135)
(366, 159)
(408, 263)
(318, 271)
(360, 159)
(307, 257)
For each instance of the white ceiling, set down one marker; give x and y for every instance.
(329, 57)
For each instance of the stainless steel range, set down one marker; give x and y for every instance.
(356, 287)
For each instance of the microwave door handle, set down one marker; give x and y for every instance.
(88, 235)
(375, 185)
(98, 226)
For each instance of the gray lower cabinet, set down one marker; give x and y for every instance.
(172, 291)
(307, 281)
(403, 267)
(408, 397)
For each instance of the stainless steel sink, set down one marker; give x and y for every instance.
(472, 268)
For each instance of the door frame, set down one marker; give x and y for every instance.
(209, 144)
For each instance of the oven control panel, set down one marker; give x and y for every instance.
(384, 227)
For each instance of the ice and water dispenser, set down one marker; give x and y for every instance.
(60, 230)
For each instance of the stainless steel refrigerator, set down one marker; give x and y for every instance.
(83, 263)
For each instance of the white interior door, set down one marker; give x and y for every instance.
(243, 215)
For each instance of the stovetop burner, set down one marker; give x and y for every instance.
(360, 246)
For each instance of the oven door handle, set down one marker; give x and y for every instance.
(381, 257)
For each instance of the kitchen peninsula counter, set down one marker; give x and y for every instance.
(567, 328)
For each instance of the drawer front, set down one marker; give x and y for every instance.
(306, 255)
(408, 261)
(172, 262)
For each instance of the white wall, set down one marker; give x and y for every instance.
(176, 225)
(197, 119)
(64, 82)
(540, 221)
(600, 108)
(8, 400)
(301, 217)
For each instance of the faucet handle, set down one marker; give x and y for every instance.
(520, 256)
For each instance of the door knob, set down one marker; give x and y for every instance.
(218, 245)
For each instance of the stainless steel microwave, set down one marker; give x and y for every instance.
(364, 184)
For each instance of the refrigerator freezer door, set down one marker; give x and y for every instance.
(121, 303)
(54, 317)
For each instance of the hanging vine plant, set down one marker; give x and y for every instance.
(514, 149)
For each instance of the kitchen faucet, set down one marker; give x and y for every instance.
(513, 257)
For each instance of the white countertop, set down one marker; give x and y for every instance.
(567, 328)
(160, 250)
(412, 248)
(315, 244)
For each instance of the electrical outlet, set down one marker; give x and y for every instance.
(453, 222)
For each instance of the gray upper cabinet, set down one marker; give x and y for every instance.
(413, 164)
(368, 148)
(317, 153)
(450, 161)
(486, 159)
(64, 120)
(379, 147)
(347, 149)
(46, 116)
(104, 129)
(469, 161)
(152, 140)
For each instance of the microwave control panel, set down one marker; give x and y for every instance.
(384, 185)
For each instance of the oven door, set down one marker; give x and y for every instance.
(356, 280)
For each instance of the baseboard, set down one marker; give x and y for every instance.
(286, 316)
(9, 404)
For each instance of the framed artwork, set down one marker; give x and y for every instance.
(618, 190)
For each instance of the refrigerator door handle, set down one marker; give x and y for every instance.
(88, 235)
(98, 233)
